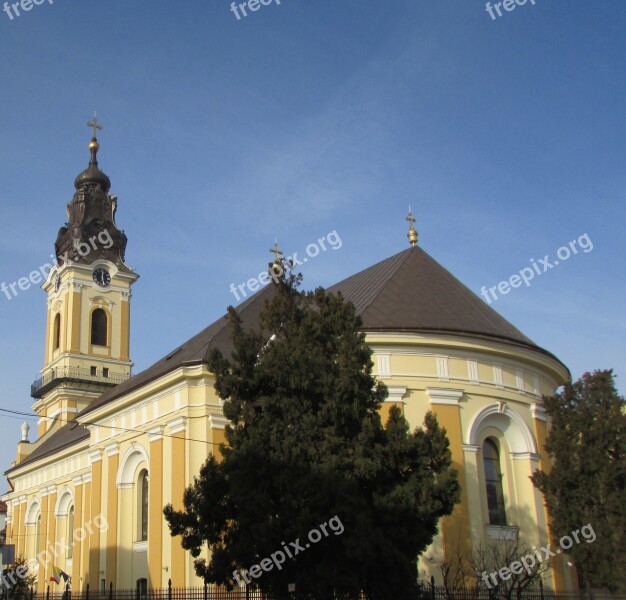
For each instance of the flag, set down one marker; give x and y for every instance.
(58, 574)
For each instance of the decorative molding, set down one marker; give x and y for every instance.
(470, 448)
(514, 428)
(442, 368)
(396, 394)
(95, 456)
(218, 421)
(538, 412)
(384, 365)
(112, 449)
(525, 456)
(472, 370)
(155, 434)
(444, 396)
(497, 376)
(519, 379)
(177, 425)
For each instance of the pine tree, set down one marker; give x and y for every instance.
(587, 482)
(307, 447)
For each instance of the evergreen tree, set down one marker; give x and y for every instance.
(306, 450)
(587, 482)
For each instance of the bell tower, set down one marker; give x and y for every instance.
(89, 293)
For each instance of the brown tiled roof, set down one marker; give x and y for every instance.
(3, 507)
(406, 292)
(412, 292)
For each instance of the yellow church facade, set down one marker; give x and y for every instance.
(113, 449)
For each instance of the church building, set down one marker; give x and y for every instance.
(113, 448)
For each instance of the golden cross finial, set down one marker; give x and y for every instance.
(277, 252)
(94, 123)
(412, 235)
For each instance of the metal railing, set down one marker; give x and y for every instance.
(426, 591)
(58, 375)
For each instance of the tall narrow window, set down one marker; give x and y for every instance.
(493, 481)
(38, 534)
(70, 532)
(57, 331)
(98, 328)
(143, 491)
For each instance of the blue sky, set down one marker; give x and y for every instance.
(506, 137)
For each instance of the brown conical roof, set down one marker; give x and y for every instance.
(410, 291)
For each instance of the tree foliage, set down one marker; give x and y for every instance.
(17, 581)
(306, 443)
(587, 482)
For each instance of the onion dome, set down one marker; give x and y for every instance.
(92, 175)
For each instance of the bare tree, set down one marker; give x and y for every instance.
(458, 575)
(506, 569)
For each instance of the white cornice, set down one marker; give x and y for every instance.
(177, 425)
(218, 421)
(525, 456)
(396, 394)
(155, 434)
(538, 412)
(444, 395)
(95, 456)
(112, 449)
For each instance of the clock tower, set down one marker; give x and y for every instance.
(89, 293)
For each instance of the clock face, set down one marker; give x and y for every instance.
(101, 277)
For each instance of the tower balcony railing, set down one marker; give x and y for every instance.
(58, 375)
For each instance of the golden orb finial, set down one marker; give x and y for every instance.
(412, 234)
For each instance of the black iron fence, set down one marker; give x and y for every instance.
(426, 591)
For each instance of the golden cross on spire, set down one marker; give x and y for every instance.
(278, 253)
(94, 123)
(412, 235)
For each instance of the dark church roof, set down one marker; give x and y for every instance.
(408, 292)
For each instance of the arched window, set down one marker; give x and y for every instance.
(70, 532)
(99, 327)
(142, 497)
(493, 482)
(57, 331)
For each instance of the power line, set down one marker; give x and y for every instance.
(125, 429)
